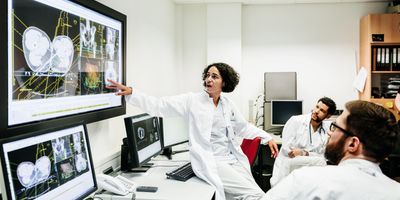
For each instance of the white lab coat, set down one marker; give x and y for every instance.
(352, 179)
(197, 109)
(296, 134)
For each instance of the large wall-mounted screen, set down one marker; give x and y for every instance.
(59, 56)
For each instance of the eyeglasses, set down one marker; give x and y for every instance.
(334, 126)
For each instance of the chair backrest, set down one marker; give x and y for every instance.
(250, 148)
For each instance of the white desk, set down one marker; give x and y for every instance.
(169, 189)
(277, 138)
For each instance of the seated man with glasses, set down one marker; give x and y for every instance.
(303, 140)
(362, 136)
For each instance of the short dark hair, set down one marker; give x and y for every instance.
(375, 126)
(330, 103)
(229, 76)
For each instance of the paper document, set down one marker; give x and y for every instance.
(361, 78)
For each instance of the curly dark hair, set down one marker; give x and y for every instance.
(375, 126)
(330, 103)
(230, 77)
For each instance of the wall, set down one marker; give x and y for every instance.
(167, 51)
(315, 40)
(150, 65)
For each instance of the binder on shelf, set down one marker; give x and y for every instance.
(395, 64)
(396, 59)
(378, 59)
(387, 60)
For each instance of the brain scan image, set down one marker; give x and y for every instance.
(110, 73)
(80, 163)
(26, 174)
(110, 45)
(141, 133)
(58, 149)
(77, 142)
(30, 174)
(42, 167)
(42, 55)
(63, 52)
(37, 49)
(66, 170)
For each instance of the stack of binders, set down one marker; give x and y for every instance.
(386, 58)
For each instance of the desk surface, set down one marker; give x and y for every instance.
(169, 189)
(277, 138)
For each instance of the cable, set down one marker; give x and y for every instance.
(258, 115)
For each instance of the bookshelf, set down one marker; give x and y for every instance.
(380, 56)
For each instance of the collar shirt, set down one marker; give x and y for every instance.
(219, 137)
(352, 179)
(198, 110)
(298, 133)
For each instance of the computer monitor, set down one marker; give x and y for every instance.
(282, 110)
(175, 131)
(49, 164)
(144, 139)
(56, 57)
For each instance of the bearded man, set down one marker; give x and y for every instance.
(303, 140)
(362, 136)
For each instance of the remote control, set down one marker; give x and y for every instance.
(146, 189)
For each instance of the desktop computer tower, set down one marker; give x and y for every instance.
(280, 86)
(277, 86)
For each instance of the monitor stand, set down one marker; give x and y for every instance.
(142, 168)
(168, 152)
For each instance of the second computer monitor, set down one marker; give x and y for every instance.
(144, 139)
(54, 163)
(282, 110)
(175, 131)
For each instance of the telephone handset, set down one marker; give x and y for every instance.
(118, 185)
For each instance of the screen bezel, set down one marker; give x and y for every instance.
(132, 144)
(6, 182)
(272, 110)
(7, 130)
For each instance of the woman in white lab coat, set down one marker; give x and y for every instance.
(214, 122)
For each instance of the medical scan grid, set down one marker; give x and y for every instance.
(61, 54)
(40, 168)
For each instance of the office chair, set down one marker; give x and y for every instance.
(250, 148)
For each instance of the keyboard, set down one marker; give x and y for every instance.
(182, 173)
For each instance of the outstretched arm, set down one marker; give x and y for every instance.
(122, 89)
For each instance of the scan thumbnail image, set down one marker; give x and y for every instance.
(91, 39)
(110, 73)
(80, 159)
(32, 170)
(66, 171)
(146, 133)
(98, 41)
(111, 44)
(44, 51)
(61, 148)
(91, 76)
(70, 156)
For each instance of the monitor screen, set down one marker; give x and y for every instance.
(282, 110)
(57, 57)
(175, 131)
(51, 164)
(144, 138)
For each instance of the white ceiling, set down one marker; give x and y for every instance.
(273, 1)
